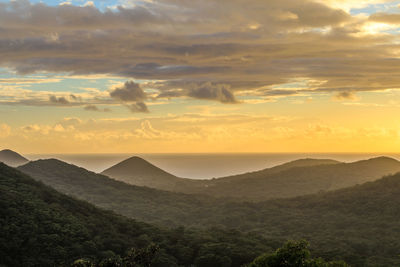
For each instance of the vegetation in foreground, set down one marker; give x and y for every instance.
(41, 227)
(292, 254)
(359, 224)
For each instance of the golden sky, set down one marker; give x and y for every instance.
(159, 76)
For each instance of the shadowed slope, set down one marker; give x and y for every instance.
(42, 227)
(137, 171)
(12, 158)
(296, 178)
(297, 181)
(358, 224)
(143, 203)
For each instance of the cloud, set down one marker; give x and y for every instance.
(350, 4)
(89, 4)
(138, 107)
(16, 95)
(50, 130)
(391, 18)
(66, 122)
(212, 50)
(345, 96)
(58, 100)
(131, 92)
(5, 130)
(146, 131)
(200, 90)
(28, 81)
(95, 108)
(75, 98)
(41, 129)
(219, 92)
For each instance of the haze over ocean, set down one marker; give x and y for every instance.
(204, 166)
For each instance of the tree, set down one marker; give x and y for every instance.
(135, 258)
(293, 254)
(141, 257)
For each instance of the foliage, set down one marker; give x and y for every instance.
(144, 257)
(357, 224)
(293, 254)
(296, 178)
(42, 227)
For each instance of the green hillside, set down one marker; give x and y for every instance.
(142, 203)
(41, 227)
(301, 180)
(137, 171)
(296, 178)
(359, 224)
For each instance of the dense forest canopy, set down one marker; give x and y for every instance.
(296, 178)
(41, 227)
(358, 224)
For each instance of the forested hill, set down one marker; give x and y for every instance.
(302, 180)
(142, 203)
(41, 227)
(296, 178)
(359, 224)
(307, 162)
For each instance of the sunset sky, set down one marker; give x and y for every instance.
(172, 76)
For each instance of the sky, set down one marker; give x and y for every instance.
(210, 76)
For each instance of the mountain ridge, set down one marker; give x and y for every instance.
(295, 178)
(358, 223)
(109, 193)
(42, 227)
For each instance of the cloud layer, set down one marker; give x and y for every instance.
(212, 50)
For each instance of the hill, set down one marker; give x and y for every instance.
(296, 178)
(138, 171)
(358, 224)
(280, 182)
(142, 203)
(308, 162)
(12, 158)
(41, 227)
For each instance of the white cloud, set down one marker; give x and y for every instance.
(5, 130)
